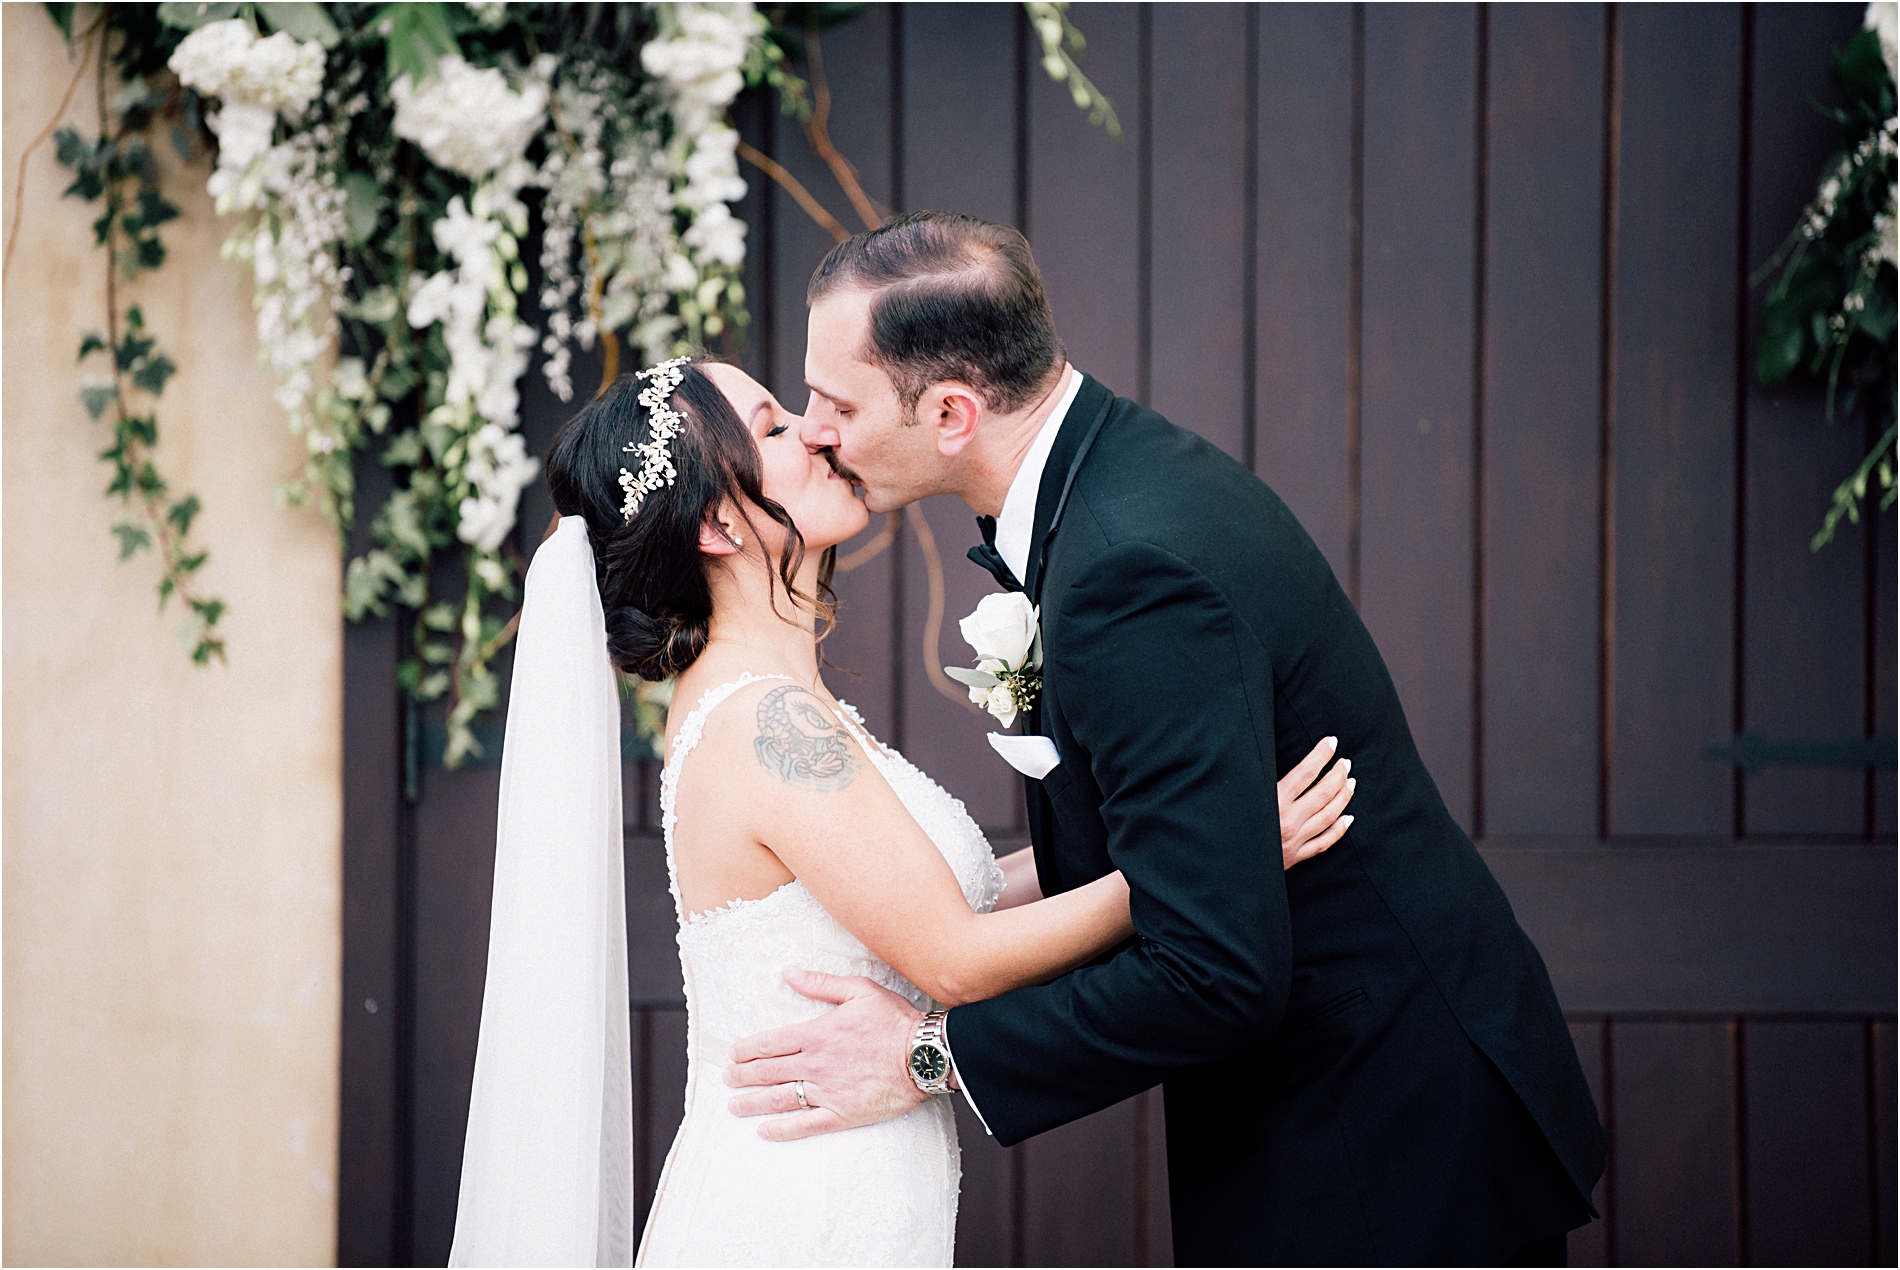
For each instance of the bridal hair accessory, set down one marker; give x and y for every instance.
(1007, 638)
(663, 424)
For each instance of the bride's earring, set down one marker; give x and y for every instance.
(735, 539)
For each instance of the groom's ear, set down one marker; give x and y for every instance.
(953, 411)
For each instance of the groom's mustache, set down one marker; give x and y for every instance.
(837, 465)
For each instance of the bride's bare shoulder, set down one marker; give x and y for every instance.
(780, 733)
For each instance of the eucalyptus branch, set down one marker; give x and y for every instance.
(1060, 43)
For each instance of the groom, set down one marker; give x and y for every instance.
(1363, 1058)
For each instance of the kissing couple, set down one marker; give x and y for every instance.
(1363, 1058)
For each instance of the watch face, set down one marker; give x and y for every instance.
(928, 1064)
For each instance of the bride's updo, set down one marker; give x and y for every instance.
(652, 577)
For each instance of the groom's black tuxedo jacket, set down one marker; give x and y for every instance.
(1364, 1060)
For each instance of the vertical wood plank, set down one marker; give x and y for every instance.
(1079, 1192)
(455, 878)
(1881, 1133)
(1543, 276)
(1157, 1249)
(1200, 360)
(370, 1164)
(1305, 270)
(1673, 1088)
(857, 61)
(1416, 537)
(1589, 1246)
(653, 965)
(984, 1209)
(959, 154)
(1806, 1117)
(665, 1097)
(1084, 201)
(1883, 708)
(1802, 631)
(1673, 433)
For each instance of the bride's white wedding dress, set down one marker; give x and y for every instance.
(885, 1194)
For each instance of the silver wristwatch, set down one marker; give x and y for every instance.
(929, 1061)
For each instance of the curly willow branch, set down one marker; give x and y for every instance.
(933, 620)
(19, 185)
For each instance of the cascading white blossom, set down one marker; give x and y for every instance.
(296, 212)
(473, 122)
(470, 120)
(696, 57)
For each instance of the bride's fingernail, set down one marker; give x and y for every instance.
(1352, 782)
(1331, 743)
(1344, 821)
(1345, 765)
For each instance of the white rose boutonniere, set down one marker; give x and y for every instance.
(1008, 641)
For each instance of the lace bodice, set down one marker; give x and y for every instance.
(881, 1195)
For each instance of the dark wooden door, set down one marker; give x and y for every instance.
(1467, 287)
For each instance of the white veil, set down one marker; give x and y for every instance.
(547, 1168)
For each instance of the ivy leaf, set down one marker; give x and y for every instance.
(97, 396)
(189, 17)
(154, 208)
(365, 206)
(62, 15)
(72, 150)
(301, 22)
(142, 429)
(209, 610)
(206, 649)
(151, 376)
(132, 539)
(150, 483)
(165, 588)
(150, 253)
(418, 36)
(93, 343)
(183, 513)
(132, 347)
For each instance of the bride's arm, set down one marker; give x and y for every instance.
(1312, 819)
(811, 797)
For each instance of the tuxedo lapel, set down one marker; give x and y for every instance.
(1086, 414)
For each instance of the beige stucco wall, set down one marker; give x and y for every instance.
(172, 836)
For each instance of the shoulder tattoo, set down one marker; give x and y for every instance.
(800, 744)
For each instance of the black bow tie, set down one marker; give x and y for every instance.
(990, 558)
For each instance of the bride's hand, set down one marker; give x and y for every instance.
(1310, 819)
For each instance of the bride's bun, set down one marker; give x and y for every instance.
(654, 648)
(653, 587)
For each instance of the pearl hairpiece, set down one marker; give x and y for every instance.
(663, 424)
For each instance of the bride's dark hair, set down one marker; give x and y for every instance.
(652, 576)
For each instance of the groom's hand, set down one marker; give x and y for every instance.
(852, 1060)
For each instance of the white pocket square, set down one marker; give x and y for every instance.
(1033, 756)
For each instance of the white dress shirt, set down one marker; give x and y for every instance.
(1014, 528)
(1017, 524)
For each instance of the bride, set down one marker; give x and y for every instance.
(697, 530)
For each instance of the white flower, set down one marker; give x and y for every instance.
(1883, 17)
(1003, 629)
(1001, 703)
(227, 60)
(468, 120)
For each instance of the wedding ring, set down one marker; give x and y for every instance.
(798, 1087)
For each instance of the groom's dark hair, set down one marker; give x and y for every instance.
(954, 298)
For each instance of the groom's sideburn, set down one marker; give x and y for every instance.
(1363, 1058)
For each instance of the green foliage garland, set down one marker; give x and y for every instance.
(1830, 314)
